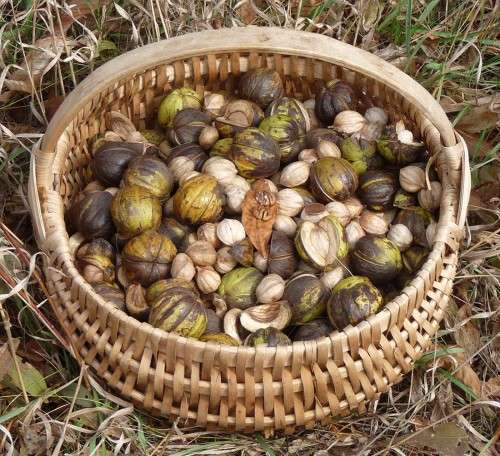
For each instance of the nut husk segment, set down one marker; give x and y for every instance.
(377, 189)
(416, 219)
(311, 330)
(112, 293)
(147, 257)
(282, 256)
(187, 126)
(180, 311)
(176, 232)
(111, 159)
(352, 300)
(287, 133)
(261, 85)
(306, 295)
(336, 96)
(376, 258)
(332, 179)
(238, 287)
(175, 101)
(270, 337)
(255, 153)
(220, 338)
(192, 151)
(199, 200)
(90, 215)
(162, 286)
(150, 173)
(135, 210)
(293, 108)
(95, 260)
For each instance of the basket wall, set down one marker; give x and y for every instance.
(240, 387)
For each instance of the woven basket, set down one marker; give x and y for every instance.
(242, 388)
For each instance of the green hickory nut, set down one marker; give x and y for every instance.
(175, 101)
(352, 300)
(238, 287)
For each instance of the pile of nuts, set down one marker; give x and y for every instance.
(253, 218)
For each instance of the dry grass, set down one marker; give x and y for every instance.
(450, 47)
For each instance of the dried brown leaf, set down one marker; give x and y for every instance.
(491, 388)
(37, 438)
(44, 55)
(481, 117)
(79, 9)
(6, 360)
(246, 12)
(467, 335)
(259, 210)
(447, 439)
(464, 373)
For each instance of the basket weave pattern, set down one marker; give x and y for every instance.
(240, 387)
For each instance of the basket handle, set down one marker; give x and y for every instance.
(34, 200)
(466, 184)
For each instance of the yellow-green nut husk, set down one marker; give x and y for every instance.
(150, 173)
(270, 337)
(416, 219)
(96, 261)
(255, 154)
(287, 133)
(377, 189)
(261, 85)
(352, 300)
(293, 108)
(396, 152)
(153, 136)
(404, 199)
(146, 258)
(307, 296)
(238, 287)
(359, 153)
(414, 257)
(222, 148)
(199, 200)
(180, 311)
(377, 258)
(175, 101)
(135, 210)
(220, 338)
(332, 179)
(162, 286)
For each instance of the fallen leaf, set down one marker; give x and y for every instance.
(6, 361)
(481, 117)
(39, 60)
(491, 388)
(77, 10)
(447, 439)
(454, 361)
(33, 380)
(37, 438)
(246, 12)
(259, 210)
(467, 335)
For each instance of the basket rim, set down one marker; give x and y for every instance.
(257, 39)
